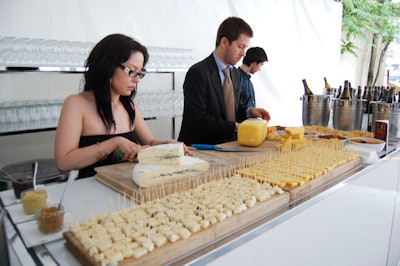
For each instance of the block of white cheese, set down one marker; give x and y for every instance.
(167, 154)
(146, 175)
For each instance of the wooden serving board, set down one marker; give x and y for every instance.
(214, 234)
(332, 177)
(238, 159)
(119, 178)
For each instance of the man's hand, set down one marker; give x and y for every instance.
(260, 113)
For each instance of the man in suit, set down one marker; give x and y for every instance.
(204, 115)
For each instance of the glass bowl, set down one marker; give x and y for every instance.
(20, 185)
(33, 199)
(50, 219)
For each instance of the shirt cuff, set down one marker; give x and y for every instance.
(248, 113)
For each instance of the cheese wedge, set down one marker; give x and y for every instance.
(165, 154)
(145, 175)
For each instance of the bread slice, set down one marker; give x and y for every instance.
(164, 154)
(145, 175)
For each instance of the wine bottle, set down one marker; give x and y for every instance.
(369, 99)
(307, 90)
(384, 94)
(351, 91)
(364, 96)
(328, 89)
(391, 96)
(359, 95)
(369, 126)
(375, 94)
(339, 91)
(345, 95)
(327, 86)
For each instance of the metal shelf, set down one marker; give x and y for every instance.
(27, 55)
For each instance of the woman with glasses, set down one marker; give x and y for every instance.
(102, 125)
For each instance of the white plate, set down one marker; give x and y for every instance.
(342, 138)
(8, 197)
(17, 212)
(377, 147)
(280, 132)
(18, 215)
(33, 237)
(310, 134)
(307, 133)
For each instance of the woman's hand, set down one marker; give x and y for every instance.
(186, 149)
(130, 149)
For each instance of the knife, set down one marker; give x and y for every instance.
(218, 148)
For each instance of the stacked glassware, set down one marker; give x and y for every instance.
(55, 55)
(29, 54)
(28, 115)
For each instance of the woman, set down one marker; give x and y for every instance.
(102, 125)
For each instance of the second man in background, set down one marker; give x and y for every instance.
(252, 62)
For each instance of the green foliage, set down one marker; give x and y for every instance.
(360, 18)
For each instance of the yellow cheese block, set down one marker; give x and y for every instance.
(294, 130)
(252, 132)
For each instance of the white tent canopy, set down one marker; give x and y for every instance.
(301, 38)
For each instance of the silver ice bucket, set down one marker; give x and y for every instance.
(316, 110)
(347, 114)
(387, 111)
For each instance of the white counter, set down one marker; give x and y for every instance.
(356, 222)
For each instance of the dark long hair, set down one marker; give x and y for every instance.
(106, 55)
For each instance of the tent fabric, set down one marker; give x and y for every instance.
(301, 38)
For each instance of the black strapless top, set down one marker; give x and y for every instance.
(111, 158)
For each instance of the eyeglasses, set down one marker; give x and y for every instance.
(132, 73)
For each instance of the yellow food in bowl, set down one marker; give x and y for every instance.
(33, 199)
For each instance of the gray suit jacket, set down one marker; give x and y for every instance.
(204, 115)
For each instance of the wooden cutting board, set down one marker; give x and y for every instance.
(212, 236)
(297, 193)
(119, 178)
(327, 180)
(237, 159)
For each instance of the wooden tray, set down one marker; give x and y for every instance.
(119, 178)
(238, 159)
(331, 176)
(213, 235)
(329, 179)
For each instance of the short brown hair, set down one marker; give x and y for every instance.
(231, 28)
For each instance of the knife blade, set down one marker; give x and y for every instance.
(218, 148)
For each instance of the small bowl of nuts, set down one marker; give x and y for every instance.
(50, 219)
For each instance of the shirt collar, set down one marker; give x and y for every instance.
(220, 64)
(244, 73)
